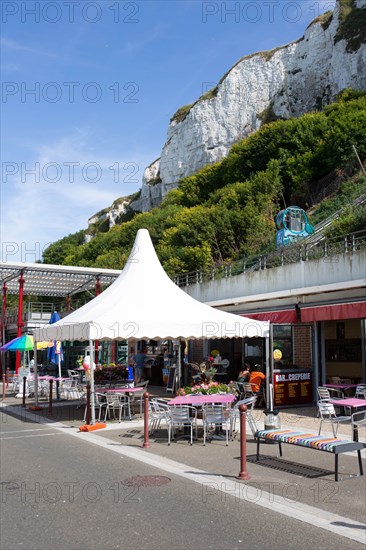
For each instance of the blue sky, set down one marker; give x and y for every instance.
(88, 89)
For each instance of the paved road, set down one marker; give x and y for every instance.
(60, 492)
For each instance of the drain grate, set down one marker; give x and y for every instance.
(146, 481)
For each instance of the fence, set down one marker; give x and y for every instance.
(287, 255)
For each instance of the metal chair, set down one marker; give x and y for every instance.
(329, 393)
(138, 395)
(182, 417)
(360, 392)
(358, 420)
(159, 411)
(327, 414)
(235, 415)
(247, 389)
(74, 376)
(225, 363)
(217, 416)
(70, 389)
(100, 403)
(117, 402)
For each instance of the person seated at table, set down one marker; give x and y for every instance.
(244, 374)
(256, 380)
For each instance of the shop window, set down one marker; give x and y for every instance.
(348, 350)
(283, 341)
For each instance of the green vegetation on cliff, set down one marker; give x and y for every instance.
(226, 210)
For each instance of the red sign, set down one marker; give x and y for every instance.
(293, 388)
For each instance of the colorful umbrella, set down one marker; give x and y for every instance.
(24, 343)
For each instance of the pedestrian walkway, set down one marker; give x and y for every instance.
(301, 484)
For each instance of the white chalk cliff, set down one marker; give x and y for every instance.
(286, 82)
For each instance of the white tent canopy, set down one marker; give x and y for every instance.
(144, 303)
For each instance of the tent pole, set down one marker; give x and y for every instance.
(35, 374)
(92, 395)
(179, 363)
(269, 360)
(59, 365)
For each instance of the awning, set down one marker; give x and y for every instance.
(334, 312)
(284, 316)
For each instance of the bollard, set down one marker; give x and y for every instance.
(58, 389)
(4, 386)
(88, 411)
(243, 474)
(50, 398)
(24, 387)
(146, 443)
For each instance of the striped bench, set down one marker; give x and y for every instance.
(317, 442)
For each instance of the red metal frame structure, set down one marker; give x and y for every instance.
(20, 318)
(21, 278)
(3, 328)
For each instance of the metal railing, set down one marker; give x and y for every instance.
(285, 256)
(32, 311)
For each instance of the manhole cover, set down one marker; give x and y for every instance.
(146, 481)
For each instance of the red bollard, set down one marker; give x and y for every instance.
(146, 443)
(24, 387)
(243, 474)
(88, 411)
(50, 397)
(4, 386)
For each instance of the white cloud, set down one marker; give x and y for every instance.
(38, 210)
(13, 46)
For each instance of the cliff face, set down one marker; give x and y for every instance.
(286, 82)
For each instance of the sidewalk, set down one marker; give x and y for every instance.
(301, 482)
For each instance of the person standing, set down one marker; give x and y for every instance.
(140, 359)
(131, 358)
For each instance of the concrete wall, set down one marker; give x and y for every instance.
(343, 268)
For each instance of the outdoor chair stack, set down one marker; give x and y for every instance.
(74, 376)
(71, 390)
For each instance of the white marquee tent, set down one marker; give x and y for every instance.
(144, 303)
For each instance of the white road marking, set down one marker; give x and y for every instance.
(22, 431)
(25, 436)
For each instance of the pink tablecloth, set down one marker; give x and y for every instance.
(202, 399)
(118, 390)
(340, 386)
(350, 402)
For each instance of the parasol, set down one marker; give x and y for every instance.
(24, 343)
